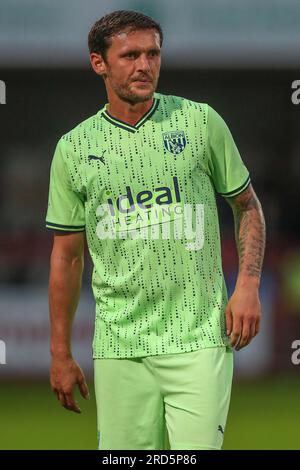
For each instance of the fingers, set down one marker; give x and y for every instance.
(257, 326)
(243, 314)
(228, 315)
(236, 331)
(250, 328)
(61, 399)
(64, 375)
(71, 404)
(66, 399)
(83, 388)
(245, 337)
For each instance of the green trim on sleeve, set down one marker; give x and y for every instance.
(238, 190)
(67, 228)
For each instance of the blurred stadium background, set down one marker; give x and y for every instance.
(240, 56)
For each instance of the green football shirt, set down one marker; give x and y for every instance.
(146, 197)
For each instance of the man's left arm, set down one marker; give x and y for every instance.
(243, 311)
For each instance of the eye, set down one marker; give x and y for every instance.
(131, 55)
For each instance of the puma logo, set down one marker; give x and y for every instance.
(221, 429)
(94, 157)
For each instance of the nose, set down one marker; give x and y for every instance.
(143, 63)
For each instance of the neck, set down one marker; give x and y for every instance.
(130, 113)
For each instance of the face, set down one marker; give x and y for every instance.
(131, 70)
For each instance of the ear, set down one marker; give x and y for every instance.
(98, 64)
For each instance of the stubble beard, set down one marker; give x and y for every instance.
(125, 93)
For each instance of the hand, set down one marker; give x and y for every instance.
(65, 373)
(243, 314)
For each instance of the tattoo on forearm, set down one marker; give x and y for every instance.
(250, 232)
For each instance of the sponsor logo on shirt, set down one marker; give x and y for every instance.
(162, 195)
(152, 213)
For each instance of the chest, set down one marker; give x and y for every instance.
(144, 162)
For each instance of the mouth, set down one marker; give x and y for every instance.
(142, 81)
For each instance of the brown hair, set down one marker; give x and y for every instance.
(113, 23)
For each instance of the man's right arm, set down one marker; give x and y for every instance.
(66, 267)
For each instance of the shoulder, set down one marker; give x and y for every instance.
(181, 103)
(71, 145)
(207, 112)
(81, 131)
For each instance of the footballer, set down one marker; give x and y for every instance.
(138, 181)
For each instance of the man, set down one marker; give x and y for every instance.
(137, 178)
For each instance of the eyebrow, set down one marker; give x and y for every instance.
(137, 51)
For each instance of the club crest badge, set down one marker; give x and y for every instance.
(175, 142)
